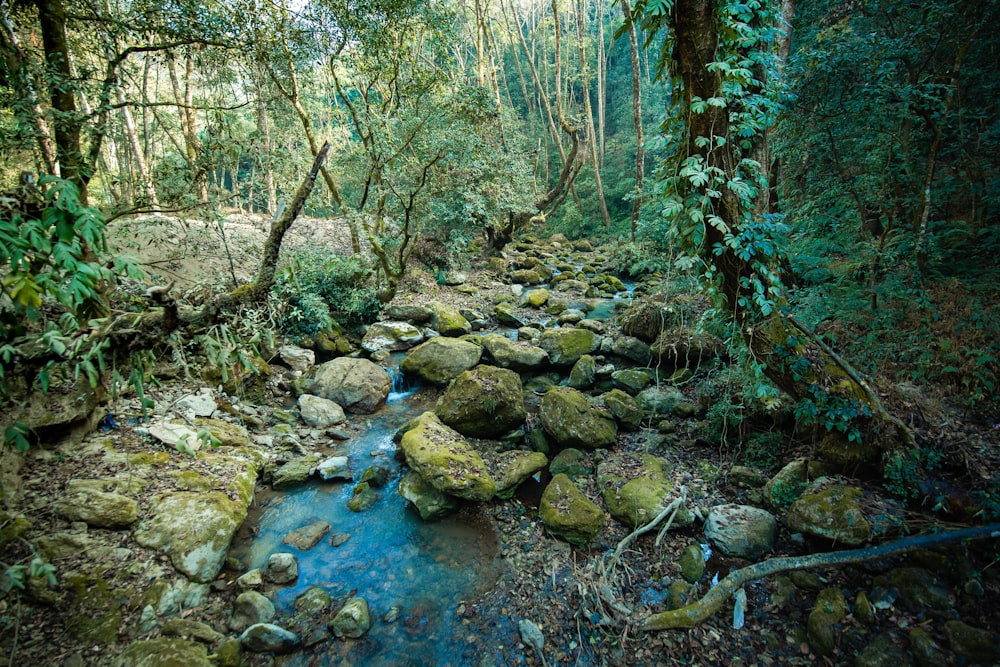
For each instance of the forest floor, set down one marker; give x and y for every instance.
(550, 583)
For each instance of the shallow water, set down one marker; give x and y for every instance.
(392, 558)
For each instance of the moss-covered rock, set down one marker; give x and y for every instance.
(362, 498)
(525, 277)
(789, 482)
(631, 348)
(570, 419)
(506, 315)
(659, 401)
(448, 321)
(683, 347)
(429, 502)
(357, 385)
(635, 489)
(513, 467)
(919, 590)
(571, 462)
(391, 336)
(484, 402)
(353, 620)
(833, 513)
(98, 509)
(294, 472)
(164, 652)
(441, 360)
(829, 610)
(741, 531)
(567, 344)
(625, 409)
(974, 644)
(536, 298)
(445, 460)
(692, 563)
(228, 435)
(95, 609)
(583, 373)
(883, 651)
(567, 513)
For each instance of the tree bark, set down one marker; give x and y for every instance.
(640, 148)
(592, 134)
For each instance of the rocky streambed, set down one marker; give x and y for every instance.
(467, 519)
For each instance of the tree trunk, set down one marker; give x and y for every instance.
(602, 79)
(640, 148)
(592, 135)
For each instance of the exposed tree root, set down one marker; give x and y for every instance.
(712, 602)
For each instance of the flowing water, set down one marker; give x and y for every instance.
(392, 558)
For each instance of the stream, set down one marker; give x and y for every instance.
(413, 574)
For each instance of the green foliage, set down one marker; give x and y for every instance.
(318, 288)
(38, 568)
(905, 470)
(16, 436)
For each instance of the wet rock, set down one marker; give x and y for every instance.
(98, 509)
(919, 590)
(536, 298)
(429, 502)
(741, 531)
(583, 372)
(362, 498)
(441, 360)
(313, 601)
(281, 568)
(484, 402)
(295, 472)
(297, 358)
(883, 652)
(353, 620)
(525, 277)
(636, 489)
(833, 514)
(445, 460)
(320, 412)
(692, 563)
(335, 467)
(625, 409)
(357, 385)
(186, 628)
(565, 346)
(571, 462)
(567, 513)
(514, 467)
(570, 419)
(506, 315)
(925, 650)
(391, 336)
(249, 609)
(788, 484)
(163, 652)
(864, 611)
(507, 353)
(631, 348)
(530, 334)
(375, 476)
(447, 321)
(571, 316)
(829, 610)
(306, 537)
(339, 538)
(267, 637)
(973, 644)
(252, 579)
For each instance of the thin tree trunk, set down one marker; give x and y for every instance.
(140, 159)
(602, 79)
(264, 159)
(592, 135)
(640, 147)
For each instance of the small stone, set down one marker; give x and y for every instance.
(306, 537)
(282, 568)
(189, 629)
(249, 609)
(264, 637)
(353, 620)
(692, 563)
(202, 405)
(297, 358)
(829, 610)
(392, 615)
(864, 612)
(363, 498)
(339, 538)
(314, 601)
(252, 579)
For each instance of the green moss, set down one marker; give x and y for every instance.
(12, 527)
(151, 459)
(96, 608)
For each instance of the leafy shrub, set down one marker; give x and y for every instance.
(317, 288)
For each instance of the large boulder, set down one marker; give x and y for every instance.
(741, 531)
(484, 402)
(624, 408)
(249, 609)
(566, 345)
(269, 638)
(631, 348)
(357, 385)
(353, 620)
(519, 356)
(447, 320)
(659, 401)
(320, 412)
(636, 489)
(164, 652)
(569, 417)
(646, 318)
(98, 509)
(294, 472)
(391, 336)
(445, 460)
(832, 513)
(429, 502)
(513, 467)
(410, 312)
(441, 360)
(567, 513)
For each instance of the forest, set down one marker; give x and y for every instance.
(668, 288)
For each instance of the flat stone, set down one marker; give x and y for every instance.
(267, 637)
(320, 412)
(99, 509)
(335, 467)
(306, 537)
(201, 404)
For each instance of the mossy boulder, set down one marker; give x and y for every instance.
(832, 513)
(95, 611)
(513, 467)
(572, 420)
(741, 531)
(525, 277)
(164, 652)
(228, 434)
(536, 298)
(973, 644)
(448, 321)
(506, 315)
(583, 372)
(829, 610)
(789, 482)
(429, 502)
(357, 385)
(659, 401)
(919, 590)
(295, 472)
(516, 355)
(645, 319)
(571, 462)
(567, 513)
(445, 460)
(353, 620)
(98, 509)
(194, 529)
(483, 402)
(635, 489)
(411, 312)
(625, 409)
(269, 638)
(566, 345)
(391, 336)
(363, 497)
(631, 348)
(441, 360)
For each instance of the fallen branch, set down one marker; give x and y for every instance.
(711, 603)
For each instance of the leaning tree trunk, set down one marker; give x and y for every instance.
(796, 362)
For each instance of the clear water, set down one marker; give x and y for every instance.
(392, 558)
